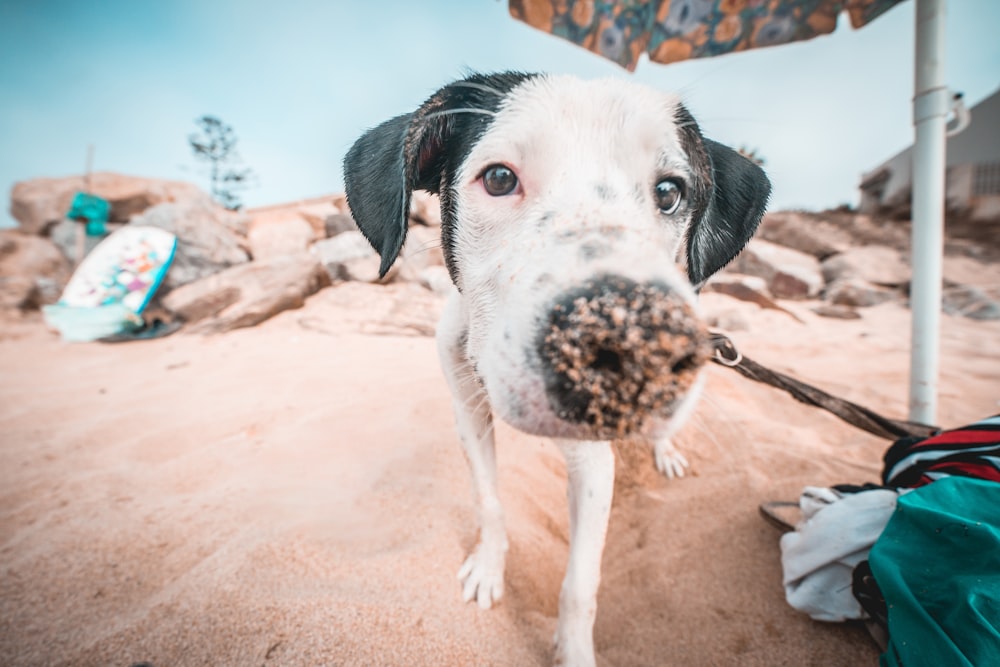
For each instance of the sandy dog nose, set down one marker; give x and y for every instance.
(617, 351)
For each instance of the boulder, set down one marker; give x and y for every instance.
(247, 294)
(33, 271)
(790, 274)
(971, 302)
(276, 237)
(752, 289)
(42, 202)
(804, 232)
(349, 256)
(425, 208)
(729, 319)
(17, 293)
(338, 223)
(857, 293)
(836, 312)
(65, 234)
(422, 249)
(206, 243)
(437, 280)
(876, 264)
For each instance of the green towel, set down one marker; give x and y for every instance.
(937, 564)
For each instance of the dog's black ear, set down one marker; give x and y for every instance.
(388, 163)
(377, 192)
(736, 203)
(415, 152)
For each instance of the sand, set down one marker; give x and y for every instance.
(294, 494)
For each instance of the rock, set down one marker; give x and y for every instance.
(790, 274)
(752, 289)
(425, 208)
(17, 293)
(64, 235)
(42, 202)
(206, 244)
(276, 237)
(739, 286)
(836, 312)
(857, 293)
(877, 264)
(971, 302)
(247, 294)
(728, 320)
(33, 271)
(338, 223)
(399, 309)
(422, 249)
(803, 232)
(349, 256)
(437, 280)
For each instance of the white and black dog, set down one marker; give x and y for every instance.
(579, 219)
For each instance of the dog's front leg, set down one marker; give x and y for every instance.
(590, 467)
(482, 573)
(669, 459)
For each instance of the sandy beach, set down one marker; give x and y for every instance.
(294, 494)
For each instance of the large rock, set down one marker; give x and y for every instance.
(421, 250)
(206, 242)
(752, 289)
(338, 223)
(248, 294)
(437, 280)
(804, 232)
(68, 235)
(42, 202)
(836, 312)
(425, 208)
(857, 293)
(349, 256)
(876, 264)
(790, 274)
(971, 302)
(275, 237)
(33, 271)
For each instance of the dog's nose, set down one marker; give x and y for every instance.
(616, 351)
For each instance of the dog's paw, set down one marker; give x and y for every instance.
(482, 575)
(669, 460)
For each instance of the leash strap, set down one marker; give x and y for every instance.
(852, 413)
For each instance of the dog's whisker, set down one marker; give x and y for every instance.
(449, 112)
(426, 247)
(478, 86)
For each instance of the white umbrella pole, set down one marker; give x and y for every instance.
(931, 103)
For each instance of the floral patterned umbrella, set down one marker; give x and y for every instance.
(673, 30)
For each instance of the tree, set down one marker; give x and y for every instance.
(216, 144)
(752, 155)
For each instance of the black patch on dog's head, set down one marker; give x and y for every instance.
(728, 194)
(420, 151)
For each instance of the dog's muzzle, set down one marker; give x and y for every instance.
(615, 352)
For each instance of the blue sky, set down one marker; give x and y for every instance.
(300, 80)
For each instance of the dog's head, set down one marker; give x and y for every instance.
(578, 220)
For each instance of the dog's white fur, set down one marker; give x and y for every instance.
(587, 155)
(567, 140)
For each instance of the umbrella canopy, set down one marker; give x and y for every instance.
(673, 30)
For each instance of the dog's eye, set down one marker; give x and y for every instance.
(499, 180)
(669, 194)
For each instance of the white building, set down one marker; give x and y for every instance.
(972, 183)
